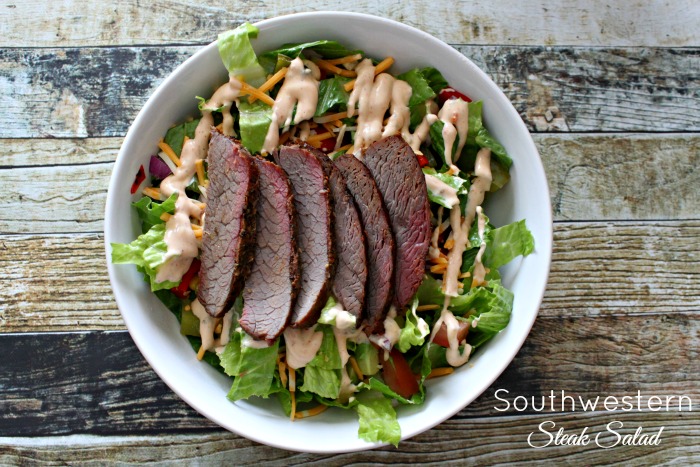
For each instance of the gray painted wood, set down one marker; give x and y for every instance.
(595, 22)
(61, 93)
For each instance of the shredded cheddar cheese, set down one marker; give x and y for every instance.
(165, 147)
(269, 84)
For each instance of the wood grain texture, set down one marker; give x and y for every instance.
(476, 441)
(98, 382)
(61, 93)
(591, 177)
(38, 152)
(74, 23)
(620, 268)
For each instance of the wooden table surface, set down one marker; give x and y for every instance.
(611, 93)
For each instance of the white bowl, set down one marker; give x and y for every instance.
(156, 332)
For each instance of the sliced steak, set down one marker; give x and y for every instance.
(380, 242)
(229, 227)
(350, 277)
(315, 240)
(271, 287)
(395, 168)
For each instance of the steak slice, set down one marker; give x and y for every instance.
(350, 276)
(229, 227)
(396, 170)
(380, 242)
(312, 206)
(271, 287)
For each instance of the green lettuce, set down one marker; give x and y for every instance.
(149, 211)
(330, 315)
(253, 369)
(460, 185)
(414, 331)
(491, 305)
(425, 84)
(322, 374)
(506, 243)
(238, 55)
(147, 252)
(254, 122)
(175, 136)
(332, 95)
(378, 421)
(326, 49)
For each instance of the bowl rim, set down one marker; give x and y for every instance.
(545, 250)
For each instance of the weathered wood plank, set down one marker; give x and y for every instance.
(478, 441)
(59, 92)
(620, 268)
(74, 23)
(62, 198)
(34, 152)
(98, 383)
(591, 177)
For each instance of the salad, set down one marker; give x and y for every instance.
(339, 101)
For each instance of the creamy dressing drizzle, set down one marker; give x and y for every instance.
(392, 332)
(207, 325)
(479, 270)
(179, 237)
(460, 227)
(455, 115)
(346, 386)
(372, 97)
(249, 341)
(453, 354)
(304, 130)
(302, 345)
(442, 189)
(434, 249)
(300, 88)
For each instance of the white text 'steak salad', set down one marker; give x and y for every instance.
(319, 233)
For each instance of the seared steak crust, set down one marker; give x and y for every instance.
(379, 240)
(396, 170)
(229, 228)
(271, 288)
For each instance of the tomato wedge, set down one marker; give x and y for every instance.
(450, 93)
(397, 374)
(441, 336)
(183, 290)
(422, 160)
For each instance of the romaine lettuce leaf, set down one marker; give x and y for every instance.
(434, 78)
(479, 137)
(493, 304)
(460, 185)
(322, 374)
(332, 95)
(147, 252)
(327, 356)
(326, 49)
(430, 291)
(254, 122)
(378, 421)
(175, 136)
(238, 55)
(253, 369)
(150, 211)
(507, 242)
(321, 381)
(414, 330)
(425, 84)
(335, 315)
